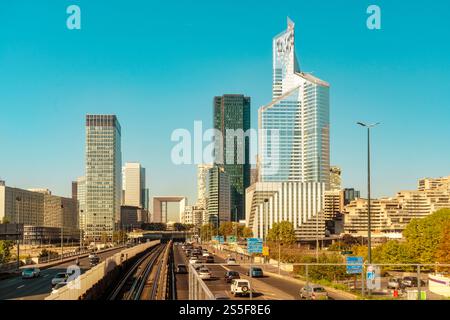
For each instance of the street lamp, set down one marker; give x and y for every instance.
(18, 199)
(369, 233)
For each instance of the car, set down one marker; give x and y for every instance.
(181, 269)
(59, 277)
(394, 283)
(204, 273)
(255, 272)
(58, 286)
(231, 275)
(412, 282)
(194, 260)
(240, 287)
(314, 292)
(221, 296)
(209, 259)
(93, 260)
(31, 273)
(231, 262)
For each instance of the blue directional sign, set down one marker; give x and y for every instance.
(354, 265)
(254, 245)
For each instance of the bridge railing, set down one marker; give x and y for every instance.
(76, 288)
(198, 290)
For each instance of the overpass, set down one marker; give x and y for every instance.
(164, 236)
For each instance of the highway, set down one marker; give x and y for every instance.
(38, 288)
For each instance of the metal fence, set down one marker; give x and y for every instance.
(198, 290)
(76, 288)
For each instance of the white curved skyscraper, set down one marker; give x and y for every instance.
(299, 115)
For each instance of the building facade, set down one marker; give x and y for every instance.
(134, 185)
(335, 178)
(232, 120)
(392, 215)
(103, 176)
(294, 142)
(202, 176)
(219, 196)
(272, 202)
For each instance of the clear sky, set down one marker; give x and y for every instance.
(158, 65)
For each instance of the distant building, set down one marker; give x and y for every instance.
(129, 217)
(232, 117)
(81, 198)
(193, 215)
(335, 178)
(135, 193)
(333, 204)
(434, 184)
(39, 209)
(74, 190)
(103, 176)
(350, 195)
(254, 176)
(299, 203)
(202, 175)
(219, 196)
(392, 215)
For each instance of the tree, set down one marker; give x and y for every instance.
(119, 236)
(207, 231)
(104, 238)
(423, 236)
(282, 231)
(5, 250)
(227, 229)
(5, 220)
(245, 232)
(443, 249)
(154, 226)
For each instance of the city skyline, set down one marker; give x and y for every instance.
(58, 104)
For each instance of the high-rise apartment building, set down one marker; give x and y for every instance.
(232, 119)
(103, 175)
(294, 144)
(135, 193)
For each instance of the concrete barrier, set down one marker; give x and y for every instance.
(79, 287)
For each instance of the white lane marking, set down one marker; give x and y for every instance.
(45, 276)
(21, 286)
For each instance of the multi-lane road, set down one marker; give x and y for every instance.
(267, 288)
(39, 288)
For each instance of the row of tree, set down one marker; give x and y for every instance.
(225, 229)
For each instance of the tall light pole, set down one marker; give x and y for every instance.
(369, 227)
(18, 199)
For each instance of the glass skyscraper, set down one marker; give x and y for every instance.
(294, 144)
(103, 176)
(232, 112)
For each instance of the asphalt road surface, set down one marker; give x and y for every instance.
(38, 288)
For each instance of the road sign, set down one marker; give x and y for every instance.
(231, 239)
(354, 265)
(265, 251)
(254, 245)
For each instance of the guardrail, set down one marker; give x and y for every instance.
(198, 290)
(76, 288)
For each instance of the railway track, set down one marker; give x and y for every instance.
(144, 279)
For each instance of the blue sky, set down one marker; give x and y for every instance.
(158, 65)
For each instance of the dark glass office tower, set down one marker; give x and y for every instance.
(232, 115)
